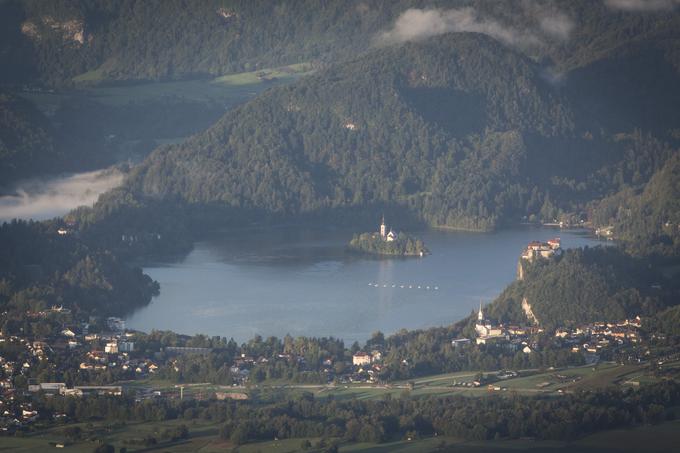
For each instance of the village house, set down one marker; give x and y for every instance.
(68, 333)
(361, 358)
(111, 348)
(126, 346)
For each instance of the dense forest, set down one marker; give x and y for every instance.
(646, 218)
(456, 131)
(586, 285)
(55, 42)
(26, 138)
(78, 132)
(40, 268)
(547, 107)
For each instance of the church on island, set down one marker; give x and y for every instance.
(387, 242)
(384, 235)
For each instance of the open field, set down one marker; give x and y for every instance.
(204, 435)
(529, 382)
(283, 73)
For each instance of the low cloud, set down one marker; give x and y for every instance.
(642, 5)
(418, 24)
(39, 200)
(558, 25)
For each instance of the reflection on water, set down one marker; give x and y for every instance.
(302, 282)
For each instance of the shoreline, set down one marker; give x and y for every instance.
(339, 248)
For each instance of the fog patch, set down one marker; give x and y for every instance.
(553, 76)
(642, 5)
(558, 26)
(418, 24)
(40, 200)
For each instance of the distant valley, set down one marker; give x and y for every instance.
(180, 182)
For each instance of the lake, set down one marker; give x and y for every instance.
(303, 282)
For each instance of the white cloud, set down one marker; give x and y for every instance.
(40, 200)
(417, 24)
(557, 25)
(642, 5)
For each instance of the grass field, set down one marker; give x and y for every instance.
(529, 382)
(264, 75)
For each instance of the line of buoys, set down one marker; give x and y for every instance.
(386, 285)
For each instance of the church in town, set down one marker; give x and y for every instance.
(486, 331)
(384, 235)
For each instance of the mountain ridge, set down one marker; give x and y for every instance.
(459, 130)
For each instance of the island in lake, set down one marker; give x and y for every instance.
(388, 243)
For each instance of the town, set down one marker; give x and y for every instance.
(102, 357)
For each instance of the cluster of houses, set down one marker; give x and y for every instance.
(95, 352)
(107, 350)
(589, 339)
(366, 366)
(16, 414)
(592, 339)
(510, 337)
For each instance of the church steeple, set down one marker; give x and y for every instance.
(383, 228)
(480, 315)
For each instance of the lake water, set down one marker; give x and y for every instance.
(284, 280)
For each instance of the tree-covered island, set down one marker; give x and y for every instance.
(386, 242)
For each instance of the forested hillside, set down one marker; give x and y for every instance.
(586, 285)
(40, 268)
(26, 138)
(531, 114)
(58, 41)
(156, 40)
(459, 131)
(79, 133)
(647, 218)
